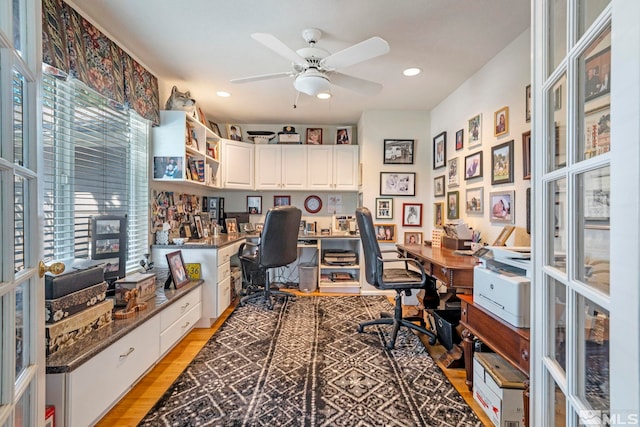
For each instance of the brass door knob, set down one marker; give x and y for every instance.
(55, 268)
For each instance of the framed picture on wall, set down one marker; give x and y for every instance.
(459, 139)
(452, 172)
(453, 205)
(501, 121)
(384, 208)
(474, 130)
(397, 183)
(281, 200)
(385, 233)
(502, 207)
(412, 214)
(398, 151)
(343, 135)
(438, 186)
(440, 150)
(438, 214)
(413, 238)
(474, 200)
(502, 163)
(473, 166)
(526, 155)
(527, 103)
(314, 136)
(254, 204)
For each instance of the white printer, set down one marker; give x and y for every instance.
(501, 283)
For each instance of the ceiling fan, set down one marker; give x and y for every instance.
(314, 68)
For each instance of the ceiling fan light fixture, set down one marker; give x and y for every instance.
(323, 95)
(312, 83)
(413, 71)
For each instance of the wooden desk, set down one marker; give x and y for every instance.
(508, 341)
(455, 271)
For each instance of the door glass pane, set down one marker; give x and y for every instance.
(558, 224)
(18, 117)
(588, 11)
(22, 325)
(557, 141)
(595, 72)
(17, 25)
(23, 415)
(593, 367)
(557, 33)
(558, 304)
(594, 247)
(560, 405)
(19, 226)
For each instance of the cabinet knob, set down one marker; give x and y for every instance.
(131, 350)
(525, 355)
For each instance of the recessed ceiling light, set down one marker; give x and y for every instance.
(324, 95)
(223, 94)
(410, 72)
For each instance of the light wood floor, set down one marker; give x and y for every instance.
(141, 398)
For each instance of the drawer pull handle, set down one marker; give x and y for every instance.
(185, 306)
(186, 325)
(131, 349)
(444, 270)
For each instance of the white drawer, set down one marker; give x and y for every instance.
(225, 254)
(170, 336)
(224, 271)
(177, 309)
(99, 382)
(224, 295)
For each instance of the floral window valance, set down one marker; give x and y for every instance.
(73, 45)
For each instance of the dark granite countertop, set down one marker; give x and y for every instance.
(70, 358)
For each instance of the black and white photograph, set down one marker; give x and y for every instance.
(412, 214)
(397, 183)
(108, 226)
(440, 150)
(398, 151)
(438, 186)
(384, 208)
(453, 173)
(475, 129)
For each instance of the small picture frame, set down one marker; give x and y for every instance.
(501, 240)
(343, 135)
(440, 150)
(397, 183)
(385, 233)
(234, 133)
(214, 127)
(167, 168)
(232, 225)
(474, 129)
(474, 200)
(413, 238)
(199, 226)
(453, 205)
(254, 204)
(502, 207)
(281, 201)
(502, 163)
(597, 79)
(452, 172)
(527, 103)
(473, 166)
(412, 214)
(459, 139)
(438, 186)
(501, 121)
(177, 269)
(108, 243)
(526, 155)
(314, 136)
(384, 208)
(398, 151)
(438, 214)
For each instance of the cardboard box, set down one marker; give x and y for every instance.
(144, 282)
(455, 244)
(498, 388)
(288, 138)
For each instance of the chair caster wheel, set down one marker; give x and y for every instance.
(360, 329)
(432, 340)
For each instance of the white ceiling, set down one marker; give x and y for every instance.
(200, 45)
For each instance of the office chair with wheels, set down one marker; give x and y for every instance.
(380, 273)
(277, 247)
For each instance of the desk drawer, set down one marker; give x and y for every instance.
(224, 272)
(224, 295)
(225, 253)
(173, 334)
(179, 308)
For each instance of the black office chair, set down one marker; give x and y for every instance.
(379, 273)
(277, 247)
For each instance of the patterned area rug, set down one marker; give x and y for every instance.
(304, 364)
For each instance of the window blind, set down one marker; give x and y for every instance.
(95, 163)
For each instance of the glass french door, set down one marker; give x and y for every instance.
(22, 360)
(585, 340)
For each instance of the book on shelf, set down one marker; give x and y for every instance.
(341, 276)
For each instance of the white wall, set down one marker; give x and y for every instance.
(501, 82)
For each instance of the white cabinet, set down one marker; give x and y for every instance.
(237, 165)
(332, 167)
(179, 319)
(280, 167)
(185, 150)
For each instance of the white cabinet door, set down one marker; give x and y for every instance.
(345, 167)
(268, 163)
(237, 165)
(320, 167)
(294, 167)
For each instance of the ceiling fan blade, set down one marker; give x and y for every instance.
(262, 77)
(370, 48)
(280, 48)
(355, 84)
